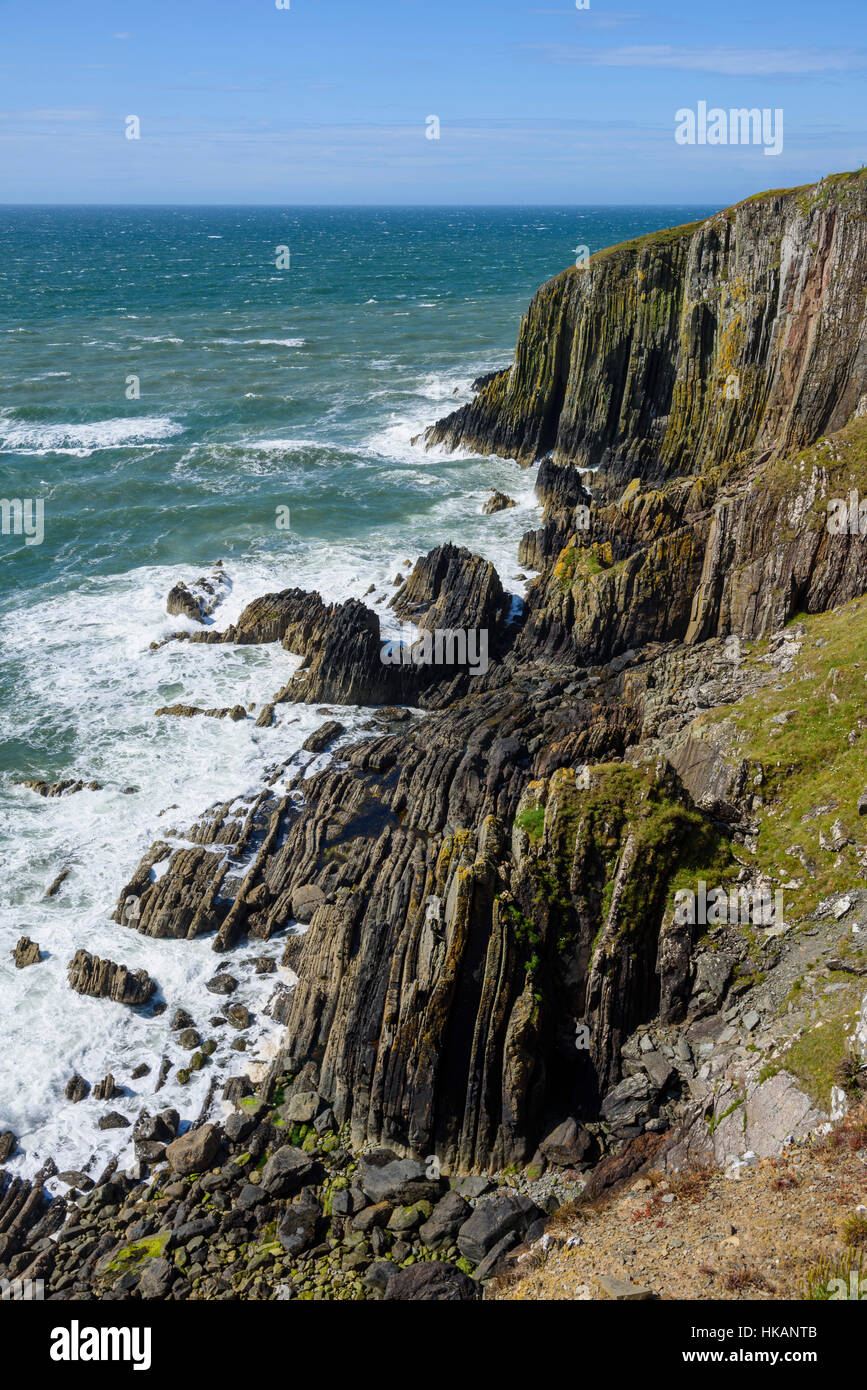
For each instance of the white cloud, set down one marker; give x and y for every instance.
(740, 62)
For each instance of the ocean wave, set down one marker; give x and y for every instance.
(85, 439)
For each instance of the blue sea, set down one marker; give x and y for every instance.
(167, 390)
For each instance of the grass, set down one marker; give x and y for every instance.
(815, 1058)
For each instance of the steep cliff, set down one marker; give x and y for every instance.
(689, 347)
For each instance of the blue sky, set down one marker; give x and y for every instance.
(327, 102)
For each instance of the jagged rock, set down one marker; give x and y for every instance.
(8, 1145)
(498, 502)
(65, 788)
(493, 1218)
(106, 1089)
(444, 1222)
(319, 740)
(77, 1088)
(113, 1120)
(386, 1178)
(431, 1281)
(630, 1103)
(567, 1145)
(26, 953)
(452, 588)
(862, 804)
(287, 1171)
(300, 1225)
(713, 971)
(182, 603)
(194, 1151)
(103, 979)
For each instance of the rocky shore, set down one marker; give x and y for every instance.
(497, 1006)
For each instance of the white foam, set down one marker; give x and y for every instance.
(85, 439)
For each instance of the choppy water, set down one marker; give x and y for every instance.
(259, 388)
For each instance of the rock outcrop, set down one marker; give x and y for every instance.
(103, 979)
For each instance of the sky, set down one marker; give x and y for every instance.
(333, 101)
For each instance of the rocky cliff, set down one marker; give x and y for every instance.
(493, 971)
(690, 346)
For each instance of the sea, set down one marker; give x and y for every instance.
(181, 386)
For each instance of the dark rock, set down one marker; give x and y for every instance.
(299, 1227)
(494, 1262)
(431, 1281)
(113, 1120)
(386, 1178)
(8, 1145)
(493, 1218)
(157, 1276)
(449, 1214)
(287, 1171)
(567, 1145)
(630, 1103)
(319, 740)
(222, 984)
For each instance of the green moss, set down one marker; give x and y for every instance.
(532, 820)
(130, 1257)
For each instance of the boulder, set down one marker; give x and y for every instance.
(300, 1226)
(194, 1151)
(493, 1218)
(287, 1171)
(444, 1222)
(302, 1108)
(8, 1144)
(567, 1145)
(386, 1178)
(431, 1281)
(305, 901)
(630, 1103)
(157, 1276)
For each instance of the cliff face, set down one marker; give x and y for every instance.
(481, 882)
(692, 346)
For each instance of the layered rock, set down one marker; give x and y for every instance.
(742, 332)
(103, 979)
